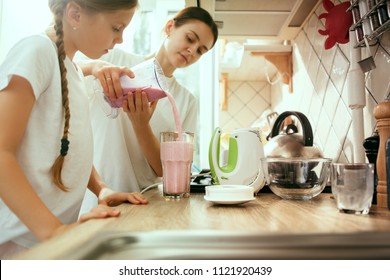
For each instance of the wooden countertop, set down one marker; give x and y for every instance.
(268, 214)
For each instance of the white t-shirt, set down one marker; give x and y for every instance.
(117, 156)
(35, 59)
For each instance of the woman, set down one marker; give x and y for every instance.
(46, 138)
(132, 139)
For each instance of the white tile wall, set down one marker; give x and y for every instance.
(320, 91)
(320, 76)
(247, 100)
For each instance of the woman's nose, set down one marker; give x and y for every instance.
(119, 39)
(191, 50)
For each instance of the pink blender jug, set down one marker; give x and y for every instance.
(149, 77)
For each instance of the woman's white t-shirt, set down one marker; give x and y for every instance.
(117, 156)
(35, 59)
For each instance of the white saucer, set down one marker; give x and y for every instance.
(229, 194)
(231, 202)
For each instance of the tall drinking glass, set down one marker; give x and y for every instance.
(177, 151)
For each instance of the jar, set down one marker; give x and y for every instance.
(374, 18)
(356, 14)
(388, 8)
(371, 3)
(363, 7)
(383, 12)
(356, 17)
(359, 33)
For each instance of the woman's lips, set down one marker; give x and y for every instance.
(184, 57)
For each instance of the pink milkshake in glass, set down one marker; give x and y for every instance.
(176, 157)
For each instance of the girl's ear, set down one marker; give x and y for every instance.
(73, 14)
(169, 27)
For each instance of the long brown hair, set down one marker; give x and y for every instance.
(196, 13)
(58, 7)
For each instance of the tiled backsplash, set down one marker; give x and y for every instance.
(247, 101)
(320, 91)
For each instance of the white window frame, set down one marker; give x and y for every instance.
(20, 18)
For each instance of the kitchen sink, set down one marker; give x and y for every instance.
(198, 245)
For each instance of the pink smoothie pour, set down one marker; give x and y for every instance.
(176, 158)
(160, 77)
(176, 116)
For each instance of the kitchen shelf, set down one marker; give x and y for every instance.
(374, 36)
(283, 62)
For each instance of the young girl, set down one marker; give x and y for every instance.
(133, 137)
(46, 142)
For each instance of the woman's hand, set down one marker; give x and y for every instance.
(139, 110)
(111, 198)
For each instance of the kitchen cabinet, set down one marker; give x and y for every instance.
(282, 62)
(271, 20)
(285, 227)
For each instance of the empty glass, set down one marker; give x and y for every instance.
(353, 186)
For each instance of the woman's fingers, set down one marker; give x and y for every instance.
(137, 102)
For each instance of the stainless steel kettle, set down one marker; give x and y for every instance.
(286, 142)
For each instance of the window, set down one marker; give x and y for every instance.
(19, 18)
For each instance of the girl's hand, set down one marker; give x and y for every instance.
(111, 198)
(108, 75)
(99, 212)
